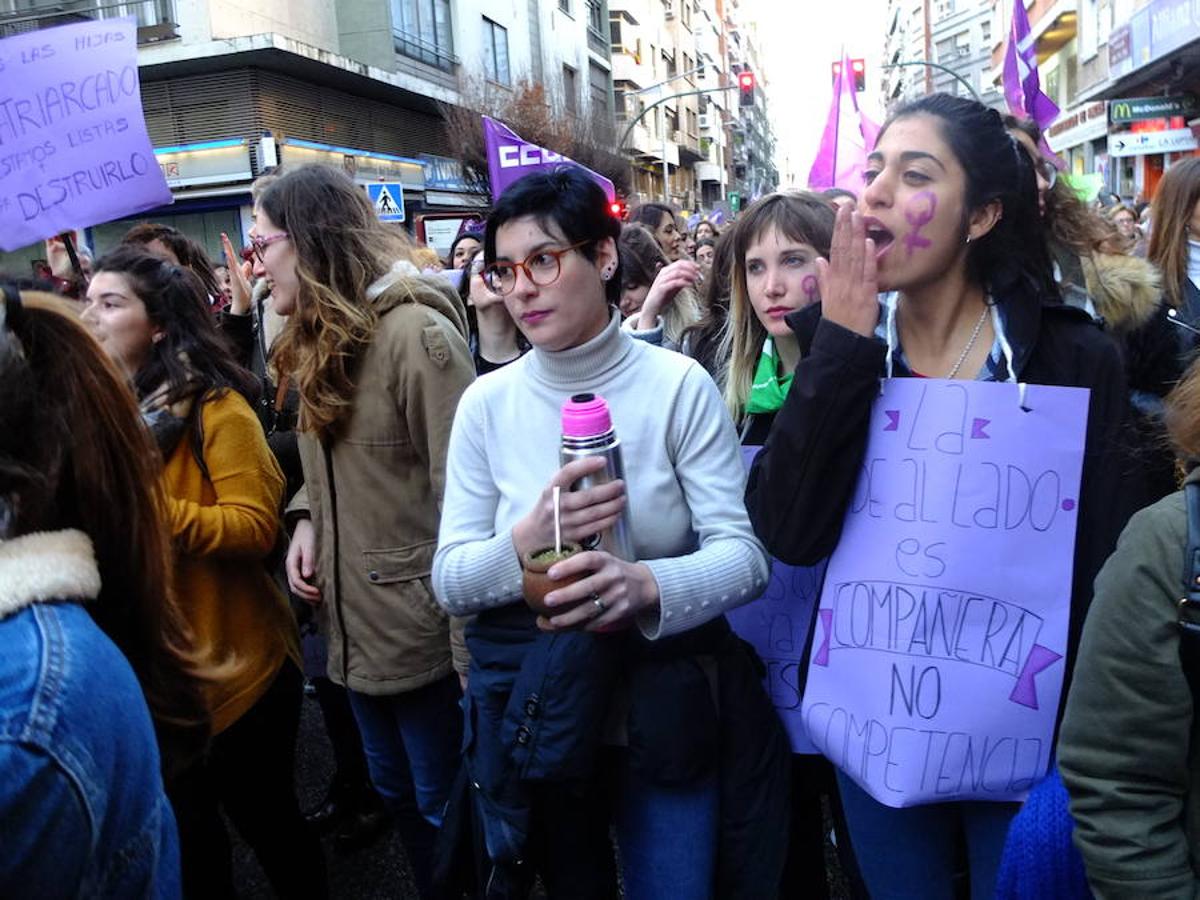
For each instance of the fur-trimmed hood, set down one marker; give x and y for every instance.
(1126, 290)
(402, 283)
(47, 566)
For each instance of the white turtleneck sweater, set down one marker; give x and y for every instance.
(683, 472)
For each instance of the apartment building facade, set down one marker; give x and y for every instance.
(230, 90)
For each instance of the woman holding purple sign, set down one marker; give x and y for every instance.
(630, 704)
(948, 228)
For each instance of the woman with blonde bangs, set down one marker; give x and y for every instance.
(779, 241)
(776, 245)
(379, 357)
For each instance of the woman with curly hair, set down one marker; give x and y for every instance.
(1096, 273)
(379, 357)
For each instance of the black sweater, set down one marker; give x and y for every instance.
(804, 478)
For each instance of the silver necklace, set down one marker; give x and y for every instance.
(962, 357)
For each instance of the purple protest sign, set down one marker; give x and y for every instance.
(936, 668)
(777, 625)
(510, 158)
(73, 145)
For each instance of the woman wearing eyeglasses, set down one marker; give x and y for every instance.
(495, 340)
(379, 357)
(633, 705)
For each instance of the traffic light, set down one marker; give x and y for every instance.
(618, 210)
(858, 68)
(746, 89)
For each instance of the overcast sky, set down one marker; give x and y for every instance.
(800, 39)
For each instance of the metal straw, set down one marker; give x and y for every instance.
(557, 521)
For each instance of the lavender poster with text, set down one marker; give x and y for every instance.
(73, 145)
(937, 658)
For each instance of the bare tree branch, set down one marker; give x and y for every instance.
(538, 117)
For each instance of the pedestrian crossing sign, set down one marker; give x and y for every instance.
(388, 199)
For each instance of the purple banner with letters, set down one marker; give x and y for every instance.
(511, 158)
(937, 655)
(777, 624)
(73, 145)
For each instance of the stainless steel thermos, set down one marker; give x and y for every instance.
(587, 430)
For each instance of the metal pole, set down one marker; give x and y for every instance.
(666, 167)
(632, 122)
(928, 46)
(939, 67)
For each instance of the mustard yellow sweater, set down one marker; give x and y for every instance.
(223, 529)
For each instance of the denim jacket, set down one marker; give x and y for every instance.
(82, 808)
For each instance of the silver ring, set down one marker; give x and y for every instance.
(598, 601)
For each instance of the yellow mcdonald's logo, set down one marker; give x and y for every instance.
(1122, 110)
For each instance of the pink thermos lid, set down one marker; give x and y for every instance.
(585, 415)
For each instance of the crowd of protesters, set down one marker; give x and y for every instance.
(321, 463)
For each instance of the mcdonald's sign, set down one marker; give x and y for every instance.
(1135, 109)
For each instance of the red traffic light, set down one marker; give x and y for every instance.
(857, 65)
(746, 89)
(617, 209)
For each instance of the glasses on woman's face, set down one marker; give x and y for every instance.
(542, 268)
(258, 243)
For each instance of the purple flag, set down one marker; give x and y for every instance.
(1022, 87)
(510, 158)
(848, 137)
(73, 145)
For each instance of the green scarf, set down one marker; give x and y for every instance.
(769, 388)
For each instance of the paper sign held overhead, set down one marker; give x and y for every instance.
(937, 653)
(73, 145)
(388, 199)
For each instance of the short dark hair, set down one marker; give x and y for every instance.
(1014, 257)
(706, 242)
(571, 202)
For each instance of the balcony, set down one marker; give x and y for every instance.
(415, 47)
(155, 18)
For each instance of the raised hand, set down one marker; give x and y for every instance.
(669, 282)
(848, 281)
(239, 278)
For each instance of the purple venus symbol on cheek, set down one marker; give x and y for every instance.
(919, 213)
(809, 287)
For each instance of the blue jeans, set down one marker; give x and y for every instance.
(413, 743)
(910, 853)
(667, 837)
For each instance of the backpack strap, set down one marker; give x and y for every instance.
(1189, 604)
